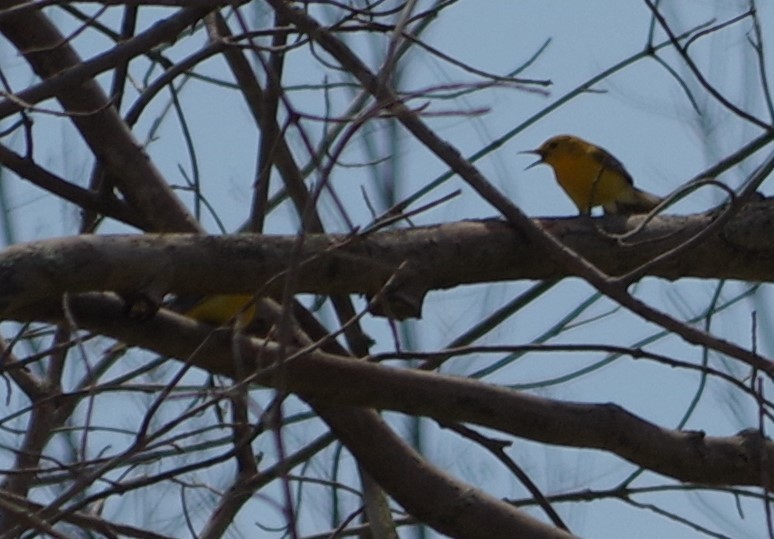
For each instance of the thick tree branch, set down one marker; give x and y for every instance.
(439, 257)
(335, 380)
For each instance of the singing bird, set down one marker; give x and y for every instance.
(592, 177)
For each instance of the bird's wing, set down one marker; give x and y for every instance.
(609, 162)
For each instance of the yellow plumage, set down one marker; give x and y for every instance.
(593, 177)
(220, 310)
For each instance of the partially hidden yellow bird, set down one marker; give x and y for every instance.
(592, 177)
(218, 310)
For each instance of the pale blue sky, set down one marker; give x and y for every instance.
(640, 115)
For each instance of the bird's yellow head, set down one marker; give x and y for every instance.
(559, 148)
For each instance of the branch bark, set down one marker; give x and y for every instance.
(439, 257)
(330, 380)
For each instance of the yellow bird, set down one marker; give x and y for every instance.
(593, 177)
(218, 310)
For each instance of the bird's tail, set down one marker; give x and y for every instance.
(638, 202)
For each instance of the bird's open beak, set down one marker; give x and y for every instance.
(538, 162)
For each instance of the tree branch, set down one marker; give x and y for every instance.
(341, 381)
(440, 256)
